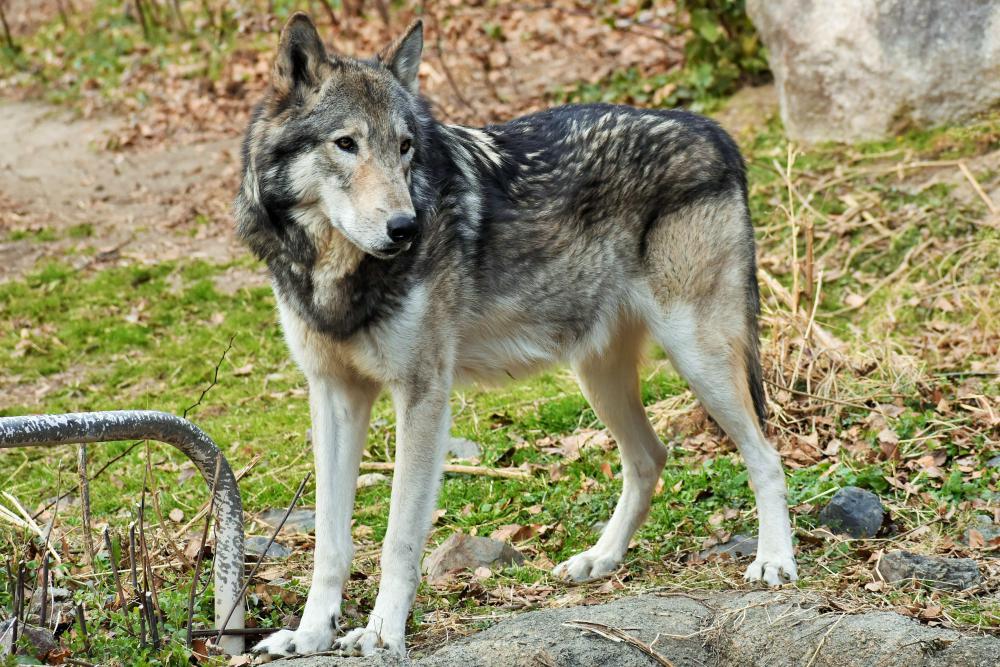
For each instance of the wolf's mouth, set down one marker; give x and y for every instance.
(391, 252)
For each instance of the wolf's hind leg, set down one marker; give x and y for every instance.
(611, 383)
(714, 348)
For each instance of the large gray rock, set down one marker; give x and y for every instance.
(731, 629)
(864, 69)
(854, 511)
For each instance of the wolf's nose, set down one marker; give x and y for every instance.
(402, 228)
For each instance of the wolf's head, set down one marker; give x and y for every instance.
(332, 148)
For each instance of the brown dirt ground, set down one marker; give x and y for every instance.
(149, 205)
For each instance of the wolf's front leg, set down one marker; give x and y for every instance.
(341, 410)
(421, 435)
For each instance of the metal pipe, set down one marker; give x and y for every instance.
(116, 425)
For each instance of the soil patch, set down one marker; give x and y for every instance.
(64, 194)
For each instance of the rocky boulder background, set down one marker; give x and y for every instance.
(865, 69)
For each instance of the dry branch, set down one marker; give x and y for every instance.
(619, 635)
(482, 471)
(88, 538)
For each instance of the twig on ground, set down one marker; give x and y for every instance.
(146, 559)
(19, 597)
(482, 471)
(43, 609)
(809, 325)
(902, 268)
(6, 28)
(81, 621)
(215, 378)
(151, 618)
(10, 517)
(88, 538)
(154, 494)
(235, 632)
(274, 535)
(32, 525)
(119, 589)
(822, 639)
(133, 563)
(979, 189)
(439, 51)
(619, 635)
(818, 398)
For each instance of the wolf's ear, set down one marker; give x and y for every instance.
(301, 57)
(402, 57)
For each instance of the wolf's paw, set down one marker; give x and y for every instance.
(587, 566)
(772, 570)
(285, 643)
(366, 641)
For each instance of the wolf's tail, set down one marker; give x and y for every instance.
(755, 372)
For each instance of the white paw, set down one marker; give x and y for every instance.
(366, 641)
(772, 570)
(587, 566)
(295, 642)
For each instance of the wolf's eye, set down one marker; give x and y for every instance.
(405, 146)
(346, 144)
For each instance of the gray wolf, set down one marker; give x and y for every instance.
(412, 255)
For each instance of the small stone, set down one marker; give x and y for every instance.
(371, 479)
(255, 545)
(299, 521)
(56, 594)
(465, 552)
(460, 448)
(853, 511)
(985, 527)
(38, 641)
(954, 574)
(994, 462)
(738, 546)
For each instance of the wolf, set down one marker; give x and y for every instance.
(413, 255)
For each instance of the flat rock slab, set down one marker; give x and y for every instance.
(468, 552)
(731, 629)
(299, 521)
(256, 544)
(954, 574)
(738, 546)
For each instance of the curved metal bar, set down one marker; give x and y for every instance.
(80, 427)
